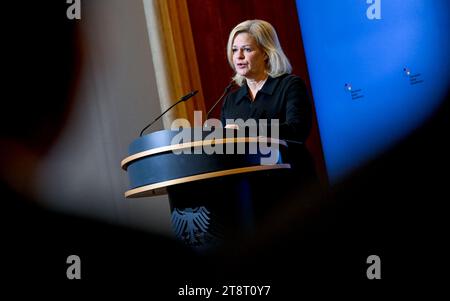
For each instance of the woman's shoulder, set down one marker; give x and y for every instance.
(291, 80)
(288, 77)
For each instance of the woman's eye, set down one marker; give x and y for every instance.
(247, 49)
(233, 50)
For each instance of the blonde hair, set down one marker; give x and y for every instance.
(267, 39)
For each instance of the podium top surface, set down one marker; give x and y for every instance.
(174, 140)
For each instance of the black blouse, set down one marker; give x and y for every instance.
(284, 98)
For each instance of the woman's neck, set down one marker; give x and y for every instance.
(256, 83)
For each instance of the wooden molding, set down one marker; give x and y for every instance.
(158, 188)
(175, 147)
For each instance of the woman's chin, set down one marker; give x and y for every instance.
(242, 73)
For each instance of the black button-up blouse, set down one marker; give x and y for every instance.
(284, 98)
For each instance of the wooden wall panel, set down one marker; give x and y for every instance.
(174, 58)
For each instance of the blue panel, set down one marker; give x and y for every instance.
(396, 69)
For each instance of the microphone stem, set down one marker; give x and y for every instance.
(227, 89)
(184, 98)
(157, 118)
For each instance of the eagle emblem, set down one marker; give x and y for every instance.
(191, 225)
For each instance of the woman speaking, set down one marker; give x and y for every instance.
(267, 89)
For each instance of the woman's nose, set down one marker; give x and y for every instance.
(240, 54)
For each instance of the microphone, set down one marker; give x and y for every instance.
(184, 98)
(227, 89)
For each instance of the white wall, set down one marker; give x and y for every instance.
(116, 98)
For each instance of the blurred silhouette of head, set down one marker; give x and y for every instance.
(41, 63)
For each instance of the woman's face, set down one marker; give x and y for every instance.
(248, 59)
